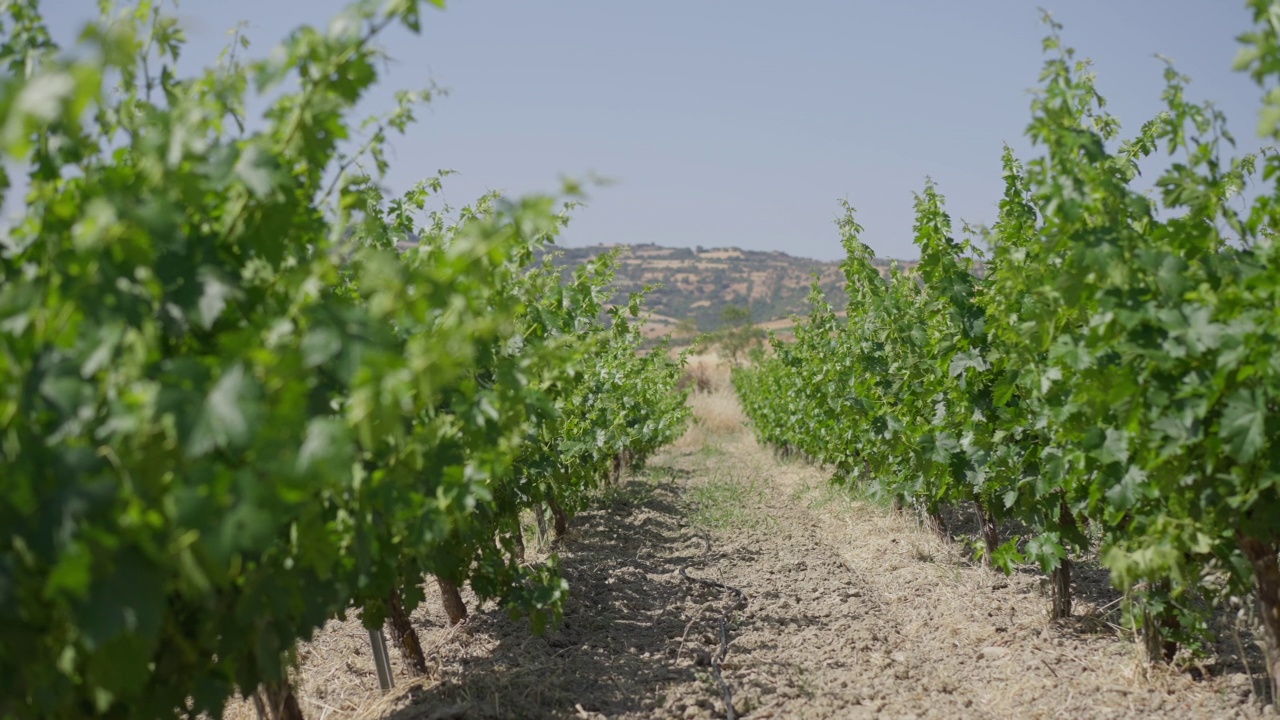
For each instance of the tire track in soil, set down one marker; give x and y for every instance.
(819, 639)
(858, 613)
(636, 641)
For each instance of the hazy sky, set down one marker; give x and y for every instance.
(744, 122)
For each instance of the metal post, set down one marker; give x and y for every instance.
(381, 660)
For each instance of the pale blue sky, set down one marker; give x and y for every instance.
(742, 122)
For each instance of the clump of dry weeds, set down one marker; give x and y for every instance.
(716, 413)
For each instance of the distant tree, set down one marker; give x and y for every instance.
(687, 327)
(735, 316)
(737, 333)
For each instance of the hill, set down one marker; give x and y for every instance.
(701, 283)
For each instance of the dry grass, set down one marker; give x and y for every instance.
(715, 413)
(335, 678)
(711, 366)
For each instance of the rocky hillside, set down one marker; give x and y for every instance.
(700, 283)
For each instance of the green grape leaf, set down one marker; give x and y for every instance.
(225, 418)
(1243, 424)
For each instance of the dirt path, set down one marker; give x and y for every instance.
(851, 612)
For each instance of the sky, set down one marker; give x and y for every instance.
(743, 122)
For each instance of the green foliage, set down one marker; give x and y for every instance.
(735, 316)
(1112, 368)
(723, 504)
(231, 409)
(737, 334)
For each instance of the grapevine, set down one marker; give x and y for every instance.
(1105, 381)
(237, 403)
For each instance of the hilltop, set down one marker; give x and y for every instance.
(700, 283)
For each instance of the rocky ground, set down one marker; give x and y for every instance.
(845, 610)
